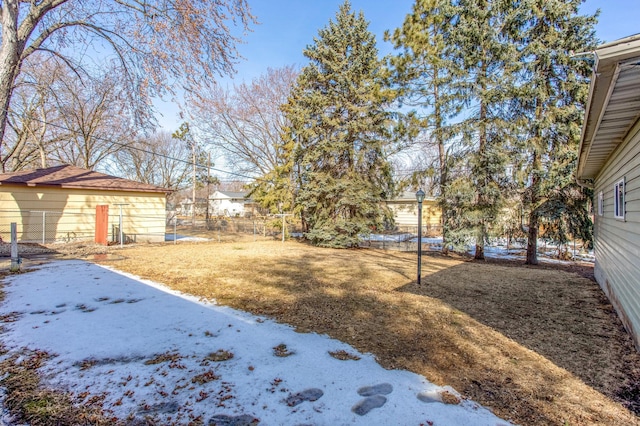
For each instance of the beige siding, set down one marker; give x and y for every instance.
(617, 242)
(70, 213)
(406, 213)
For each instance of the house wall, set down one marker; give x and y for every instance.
(70, 213)
(406, 213)
(617, 242)
(228, 207)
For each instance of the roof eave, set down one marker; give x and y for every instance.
(86, 187)
(608, 59)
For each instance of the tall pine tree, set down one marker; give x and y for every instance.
(487, 62)
(423, 72)
(339, 129)
(550, 105)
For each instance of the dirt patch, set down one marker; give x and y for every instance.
(537, 345)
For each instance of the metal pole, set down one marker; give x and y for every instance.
(208, 186)
(419, 240)
(120, 225)
(283, 225)
(175, 225)
(120, 222)
(44, 226)
(15, 260)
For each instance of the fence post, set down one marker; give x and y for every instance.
(15, 260)
(44, 226)
(175, 227)
(120, 222)
(120, 225)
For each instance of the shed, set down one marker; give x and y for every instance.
(60, 204)
(405, 213)
(609, 162)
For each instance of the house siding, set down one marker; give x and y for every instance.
(617, 269)
(406, 214)
(70, 213)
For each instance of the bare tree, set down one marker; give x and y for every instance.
(156, 43)
(158, 159)
(30, 136)
(245, 124)
(96, 115)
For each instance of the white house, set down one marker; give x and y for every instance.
(184, 207)
(609, 163)
(232, 204)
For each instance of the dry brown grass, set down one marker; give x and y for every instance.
(38, 406)
(536, 345)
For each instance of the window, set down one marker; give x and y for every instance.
(600, 204)
(618, 194)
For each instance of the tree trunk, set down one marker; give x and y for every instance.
(483, 181)
(532, 237)
(443, 169)
(532, 240)
(480, 243)
(9, 63)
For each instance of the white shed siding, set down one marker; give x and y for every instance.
(617, 248)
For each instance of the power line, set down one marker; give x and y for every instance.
(121, 144)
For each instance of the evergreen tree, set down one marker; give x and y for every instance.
(550, 105)
(423, 73)
(339, 129)
(487, 60)
(276, 191)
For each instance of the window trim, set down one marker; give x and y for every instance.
(619, 199)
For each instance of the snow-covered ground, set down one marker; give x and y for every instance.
(149, 351)
(498, 249)
(178, 237)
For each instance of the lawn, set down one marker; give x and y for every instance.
(537, 345)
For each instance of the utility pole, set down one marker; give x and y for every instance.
(208, 186)
(193, 194)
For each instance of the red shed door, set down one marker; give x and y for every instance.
(102, 224)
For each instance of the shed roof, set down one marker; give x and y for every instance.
(408, 197)
(613, 106)
(72, 177)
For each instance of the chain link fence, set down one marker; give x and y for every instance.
(402, 238)
(215, 228)
(45, 227)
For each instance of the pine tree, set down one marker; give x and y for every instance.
(339, 127)
(276, 190)
(550, 106)
(487, 62)
(423, 73)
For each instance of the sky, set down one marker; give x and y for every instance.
(144, 349)
(286, 27)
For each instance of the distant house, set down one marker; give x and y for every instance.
(231, 204)
(184, 207)
(609, 163)
(60, 203)
(405, 212)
